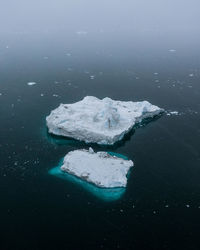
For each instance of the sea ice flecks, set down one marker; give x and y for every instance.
(31, 83)
(101, 168)
(98, 121)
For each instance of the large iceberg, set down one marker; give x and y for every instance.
(99, 121)
(101, 168)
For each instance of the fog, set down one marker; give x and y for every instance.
(22, 16)
(98, 30)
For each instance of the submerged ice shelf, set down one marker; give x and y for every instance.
(106, 194)
(79, 164)
(103, 121)
(101, 168)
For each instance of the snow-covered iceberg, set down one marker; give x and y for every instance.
(99, 121)
(101, 169)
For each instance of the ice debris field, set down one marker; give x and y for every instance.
(103, 121)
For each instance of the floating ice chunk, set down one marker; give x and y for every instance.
(172, 50)
(98, 121)
(91, 151)
(81, 32)
(101, 168)
(173, 113)
(31, 83)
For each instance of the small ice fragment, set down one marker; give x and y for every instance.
(41, 94)
(187, 205)
(92, 77)
(166, 205)
(0, 94)
(172, 50)
(81, 32)
(191, 75)
(55, 95)
(155, 73)
(174, 113)
(91, 151)
(31, 83)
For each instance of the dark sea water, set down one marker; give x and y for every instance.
(123, 58)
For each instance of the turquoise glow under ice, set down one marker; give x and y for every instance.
(106, 194)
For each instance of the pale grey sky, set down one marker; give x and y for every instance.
(91, 15)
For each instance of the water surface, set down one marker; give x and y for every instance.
(125, 53)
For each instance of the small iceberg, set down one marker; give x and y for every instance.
(31, 83)
(173, 113)
(103, 121)
(101, 169)
(103, 173)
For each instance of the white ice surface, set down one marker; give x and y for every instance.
(99, 168)
(98, 121)
(31, 83)
(173, 113)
